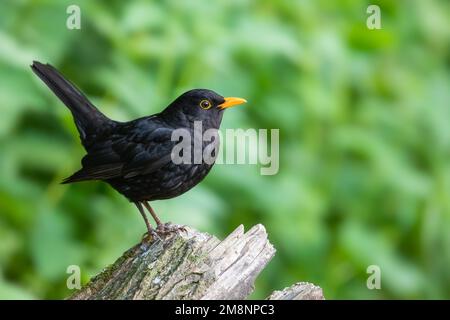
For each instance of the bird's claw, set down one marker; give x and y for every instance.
(168, 228)
(162, 230)
(151, 235)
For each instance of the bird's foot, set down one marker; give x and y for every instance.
(169, 228)
(151, 235)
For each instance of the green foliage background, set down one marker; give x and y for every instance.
(364, 129)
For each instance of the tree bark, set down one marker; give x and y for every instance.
(298, 291)
(191, 265)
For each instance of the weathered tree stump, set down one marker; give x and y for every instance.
(192, 265)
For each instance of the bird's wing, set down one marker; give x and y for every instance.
(132, 152)
(151, 151)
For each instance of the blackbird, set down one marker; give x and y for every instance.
(135, 157)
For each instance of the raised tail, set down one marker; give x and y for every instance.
(88, 118)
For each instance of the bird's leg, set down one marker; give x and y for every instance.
(150, 231)
(163, 228)
(152, 212)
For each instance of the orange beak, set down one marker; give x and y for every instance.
(231, 102)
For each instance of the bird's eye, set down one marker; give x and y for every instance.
(205, 104)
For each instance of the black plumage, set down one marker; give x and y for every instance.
(135, 157)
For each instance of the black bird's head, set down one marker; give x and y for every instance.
(199, 105)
